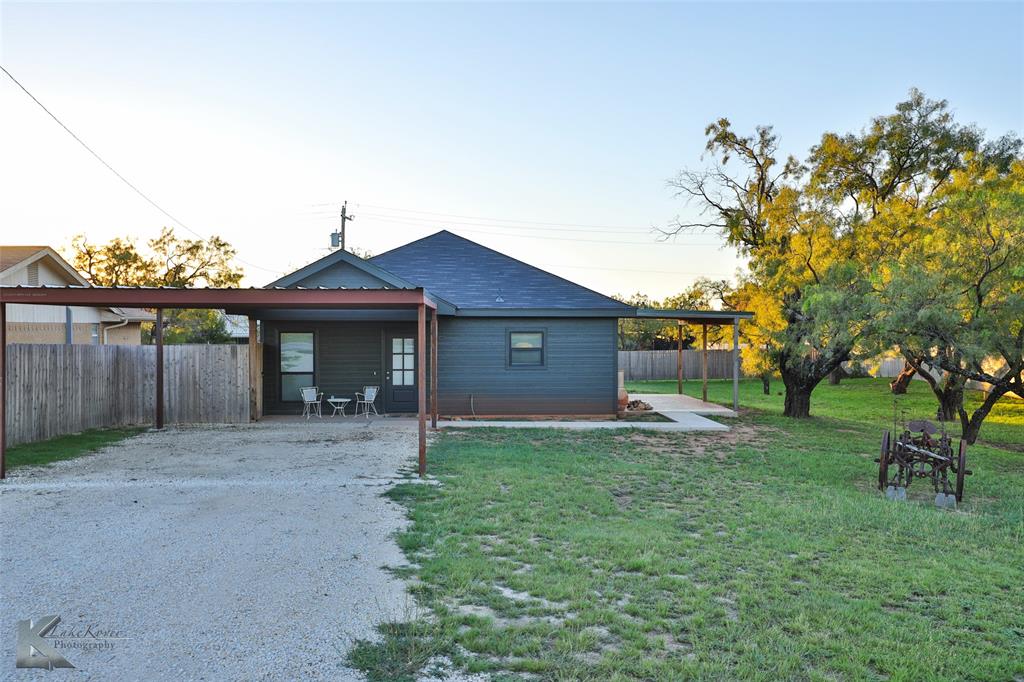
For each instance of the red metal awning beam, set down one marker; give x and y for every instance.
(218, 298)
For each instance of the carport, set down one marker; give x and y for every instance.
(238, 301)
(705, 318)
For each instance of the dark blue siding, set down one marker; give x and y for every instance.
(348, 357)
(578, 377)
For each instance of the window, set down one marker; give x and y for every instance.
(526, 349)
(94, 334)
(296, 364)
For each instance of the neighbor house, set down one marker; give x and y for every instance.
(42, 266)
(512, 339)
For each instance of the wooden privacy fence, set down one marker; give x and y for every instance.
(640, 365)
(54, 390)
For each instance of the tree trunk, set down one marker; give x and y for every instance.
(836, 375)
(948, 389)
(951, 400)
(766, 383)
(974, 425)
(798, 401)
(800, 375)
(899, 385)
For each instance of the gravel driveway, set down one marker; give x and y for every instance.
(219, 553)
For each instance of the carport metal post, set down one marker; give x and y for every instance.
(679, 357)
(735, 364)
(704, 362)
(158, 335)
(433, 369)
(3, 389)
(421, 382)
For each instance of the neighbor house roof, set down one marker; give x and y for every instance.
(12, 255)
(17, 257)
(474, 277)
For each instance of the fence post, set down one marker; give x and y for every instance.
(254, 371)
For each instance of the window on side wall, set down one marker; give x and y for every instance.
(526, 348)
(296, 364)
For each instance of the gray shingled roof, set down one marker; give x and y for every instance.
(473, 276)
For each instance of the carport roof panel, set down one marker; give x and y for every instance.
(722, 317)
(235, 299)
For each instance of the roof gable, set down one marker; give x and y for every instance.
(342, 269)
(472, 276)
(14, 258)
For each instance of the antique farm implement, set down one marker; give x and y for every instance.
(922, 451)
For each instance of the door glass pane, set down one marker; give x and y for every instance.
(398, 378)
(396, 345)
(410, 345)
(290, 385)
(296, 352)
(410, 379)
(410, 361)
(396, 361)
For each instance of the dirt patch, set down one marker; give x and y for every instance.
(721, 444)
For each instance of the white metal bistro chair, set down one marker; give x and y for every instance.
(311, 401)
(366, 400)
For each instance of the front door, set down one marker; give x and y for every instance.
(400, 378)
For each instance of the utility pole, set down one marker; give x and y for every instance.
(338, 238)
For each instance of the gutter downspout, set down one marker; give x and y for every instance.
(122, 323)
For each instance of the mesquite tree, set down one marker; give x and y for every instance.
(814, 231)
(167, 261)
(957, 302)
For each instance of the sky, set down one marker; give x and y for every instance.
(545, 131)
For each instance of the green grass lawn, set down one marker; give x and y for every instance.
(65, 447)
(764, 553)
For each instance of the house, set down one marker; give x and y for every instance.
(42, 266)
(512, 339)
(237, 327)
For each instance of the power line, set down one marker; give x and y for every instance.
(609, 228)
(659, 272)
(446, 221)
(435, 221)
(114, 171)
(413, 222)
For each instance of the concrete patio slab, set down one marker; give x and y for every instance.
(670, 403)
(681, 421)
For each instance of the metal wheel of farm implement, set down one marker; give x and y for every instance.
(961, 471)
(883, 463)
